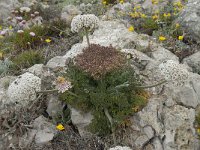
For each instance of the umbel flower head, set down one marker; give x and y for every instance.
(174, 72)
(89, 21)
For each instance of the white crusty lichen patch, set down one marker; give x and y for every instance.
(23, 89)
(120, 148)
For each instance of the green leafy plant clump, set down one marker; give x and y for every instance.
(27, 59)
(108, 92)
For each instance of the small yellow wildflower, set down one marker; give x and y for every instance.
(180, 37)
(167, 15)
(121, 1)
(1, 55)
(135, 14)
(136, 108)
(198, 130)
(177, 25)
(104, 2)
(131, 28)
(154, 2)
(162, 38)
(178, 4)
(137, 7)
(60, 127)
(48, 40)
(10, 27)
(0, 27)
(155, 17)
(143, 16)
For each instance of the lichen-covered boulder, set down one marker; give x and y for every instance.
(23, 90)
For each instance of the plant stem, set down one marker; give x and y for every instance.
(111, 123)
(126, 84)
(153, 85)
(54, 90)
(87, 36)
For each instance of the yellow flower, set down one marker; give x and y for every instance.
(143, 16)
(154, 2)
(104, 2)
(48, 40)
(137, 7)
(135, 14)
(1, 55)
(162, 38)
(10, 27)
(178, 4)
(0, 27)
(1, 37)
(180, 37)
(198, 130)
(60, 80)
(131, 28)
(177, 25)
(155, 17)
(60, 127)
(167, 15)
(121, 1)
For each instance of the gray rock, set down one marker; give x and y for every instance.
(45, 130)
(157, 144)
(162, 54)
(54, 106)
(81, 120)
(141, 141)
(37, 69)
(56, 62)
(149, 131)
(193, 61)
(68, 12)
(190, 19)
(186, 96)
(4, 99)
(6, 6)
(179, 131)
(149, 116)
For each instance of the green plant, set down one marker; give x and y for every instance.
(4, 66)
(27, 59)
(106, 93)
(23, 41)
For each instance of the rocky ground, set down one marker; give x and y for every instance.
(166, 123)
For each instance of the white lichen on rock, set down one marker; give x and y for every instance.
(174, 72)
(24, 88)
(89, 21)
(120, 148)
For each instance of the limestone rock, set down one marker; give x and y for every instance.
(68, 12)
(56, 62)
(36, 69)
(190, 19)
(193, 61)
(6, 6)
(81, 120)
(179, 130)
(45, 130)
